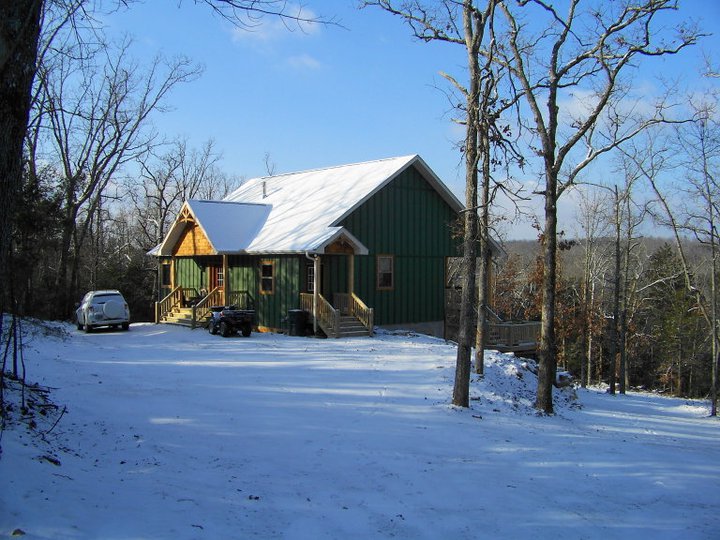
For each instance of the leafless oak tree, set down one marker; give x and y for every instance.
(588, 49)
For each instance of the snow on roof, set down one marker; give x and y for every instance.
(308, 206)
(229, 226)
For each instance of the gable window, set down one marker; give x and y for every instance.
(385, 266)
(267, 277)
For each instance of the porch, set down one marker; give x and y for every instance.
(188, 306)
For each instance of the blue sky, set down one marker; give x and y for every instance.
(323, 97)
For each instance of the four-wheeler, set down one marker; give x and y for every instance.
(228, 320)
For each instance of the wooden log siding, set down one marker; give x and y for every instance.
(407, 219)
(193, 242)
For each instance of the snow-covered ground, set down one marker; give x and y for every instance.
(172, 433)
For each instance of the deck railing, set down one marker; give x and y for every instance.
(513, 334)
(350, 304)
(167, 304)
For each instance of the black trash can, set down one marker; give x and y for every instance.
(297, 322)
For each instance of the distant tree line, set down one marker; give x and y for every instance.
(666, 343)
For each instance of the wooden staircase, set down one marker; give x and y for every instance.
(349, 318)
(351, 327)
(181, 316)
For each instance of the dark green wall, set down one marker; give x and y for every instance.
(407, 219)
(270, 308)
(189, 273)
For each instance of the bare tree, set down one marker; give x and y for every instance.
(699, 144)
(168, 179)
(594, 228)
(20, 25)
(469, 24)
(94, 120)
(587, 50)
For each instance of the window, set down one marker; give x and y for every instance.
(385, 265)
(165, 275)
(310, 278)
(267, 277)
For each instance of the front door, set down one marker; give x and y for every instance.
(216, 278)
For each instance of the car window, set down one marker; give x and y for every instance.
(102, 298)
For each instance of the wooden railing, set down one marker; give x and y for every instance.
(201, 308)
(513, 335)
(327, 316)
(241, 300)
(351, 304)
(167, 304)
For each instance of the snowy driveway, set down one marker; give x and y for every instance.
(172, 433)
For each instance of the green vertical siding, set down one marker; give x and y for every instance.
(271, 309)
(407, 219)
(189, 273)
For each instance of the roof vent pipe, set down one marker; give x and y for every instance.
(264, 186)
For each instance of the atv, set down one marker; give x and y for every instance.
(228, 320)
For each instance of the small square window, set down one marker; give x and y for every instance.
(267, 277)
(385, 272)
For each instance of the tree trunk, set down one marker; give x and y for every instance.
(461, 389)
(613, 334)
(483, 273)
(19, 32)
(547, 353)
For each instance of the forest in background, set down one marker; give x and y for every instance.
(667, 345)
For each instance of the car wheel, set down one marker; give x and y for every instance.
(212, 328)
(224, 329)
(88, 328)
(246, 330)
(126, 326)
(79, 325)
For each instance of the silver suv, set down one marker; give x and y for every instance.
(103, 308)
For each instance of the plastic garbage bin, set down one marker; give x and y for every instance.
(297, 322)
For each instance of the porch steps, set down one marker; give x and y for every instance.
(180, 316)
(352, 327)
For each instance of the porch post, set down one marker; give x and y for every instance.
(226, 280)
(316, 290)
(351, 274)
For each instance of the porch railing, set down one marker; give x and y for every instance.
(350, 304)
(201, 308)
(241, 299)
(327, 316)
(167, 304)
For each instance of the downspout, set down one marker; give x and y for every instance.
(316, 274)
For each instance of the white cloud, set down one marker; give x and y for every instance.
(304, 62)
(272, 28)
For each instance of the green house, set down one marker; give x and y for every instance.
(353, 246)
